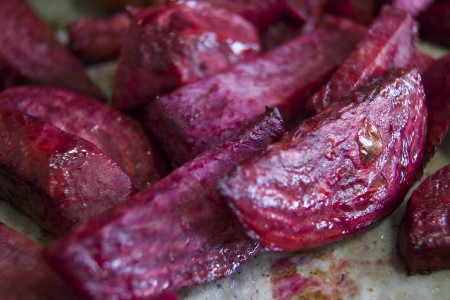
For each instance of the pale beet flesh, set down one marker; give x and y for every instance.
(338, 172)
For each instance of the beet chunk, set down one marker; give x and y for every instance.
(97, 40)
(30, 50)
(435, 23)
(170, 45)
(389, 42)
(24, 273)
(414, 7)
(424, 238)
(177, 233)
(436, 82)
(203, 114)
(338, 172)
(56, 178)
(119, 136)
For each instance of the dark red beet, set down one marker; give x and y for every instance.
(177, 233)
(56, 178)
(169, 46)
(363, 11)
(421, 61)
(29, 49)
(424, 238)
(119, 136)
(436, 82)
(97, 40)
(203, 114)
(389, 43)
(24, 273)
(338, 172)
(435, 23)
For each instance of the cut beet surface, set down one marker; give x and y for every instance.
(96, 40)
(202, 114)
(424, 238)
(56, 178)
(119, 136)
(338, 172)
(436, 82)
(168, 46)
(24, 273)
(389, 43)
(29, 49)
(177, 233)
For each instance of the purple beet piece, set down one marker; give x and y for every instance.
(29, 49)
(389, 43)
(259, 13)
(24, 273)
(338, 172)
(200, 115)
(177, 233)
(168, 46)
(118, 136)
(414, 7)
(435, 23)
(98, 39)
(436, 82)
(363, 11)
(56, 178)
(424, 237)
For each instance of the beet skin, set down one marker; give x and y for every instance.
(338, 172)
(177, 233)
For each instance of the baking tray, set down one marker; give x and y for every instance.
(364, 266)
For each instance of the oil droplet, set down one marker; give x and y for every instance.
(370, 143)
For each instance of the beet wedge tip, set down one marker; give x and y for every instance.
(177, 233)
(338, 172)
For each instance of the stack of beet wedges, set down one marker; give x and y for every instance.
(235, 127)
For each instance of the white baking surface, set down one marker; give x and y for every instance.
(364, 266)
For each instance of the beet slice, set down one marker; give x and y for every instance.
(97, 40)
(338, 172)
(424, 237)
(170, 45)
(118, 136)
(56, 178)
(25, 275)
(389, 42)
(30, 50)
(436, 82)
(177, 233)
(435, 23)
(203, 114)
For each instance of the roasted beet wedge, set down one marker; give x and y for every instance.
(389, 42)
(338, 172)
(424, 238)
(24, 273)
(119, 136)
(177, 233)
(56, 178)
(170, 45)
(203, 114)
(435, 23)
(436, 82)
(30, 50)
(97, 40)
(26, 276)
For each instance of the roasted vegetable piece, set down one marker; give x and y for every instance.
(414, 7)
(436, 82)
(177, 233)
(29, 49)
(98, 39)
(435, 23)
(24, 273)
(338, 172)
(424, 237)
(389, 42)
(118, 136)
(54, 177)
(169, 46)
(203, 114)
